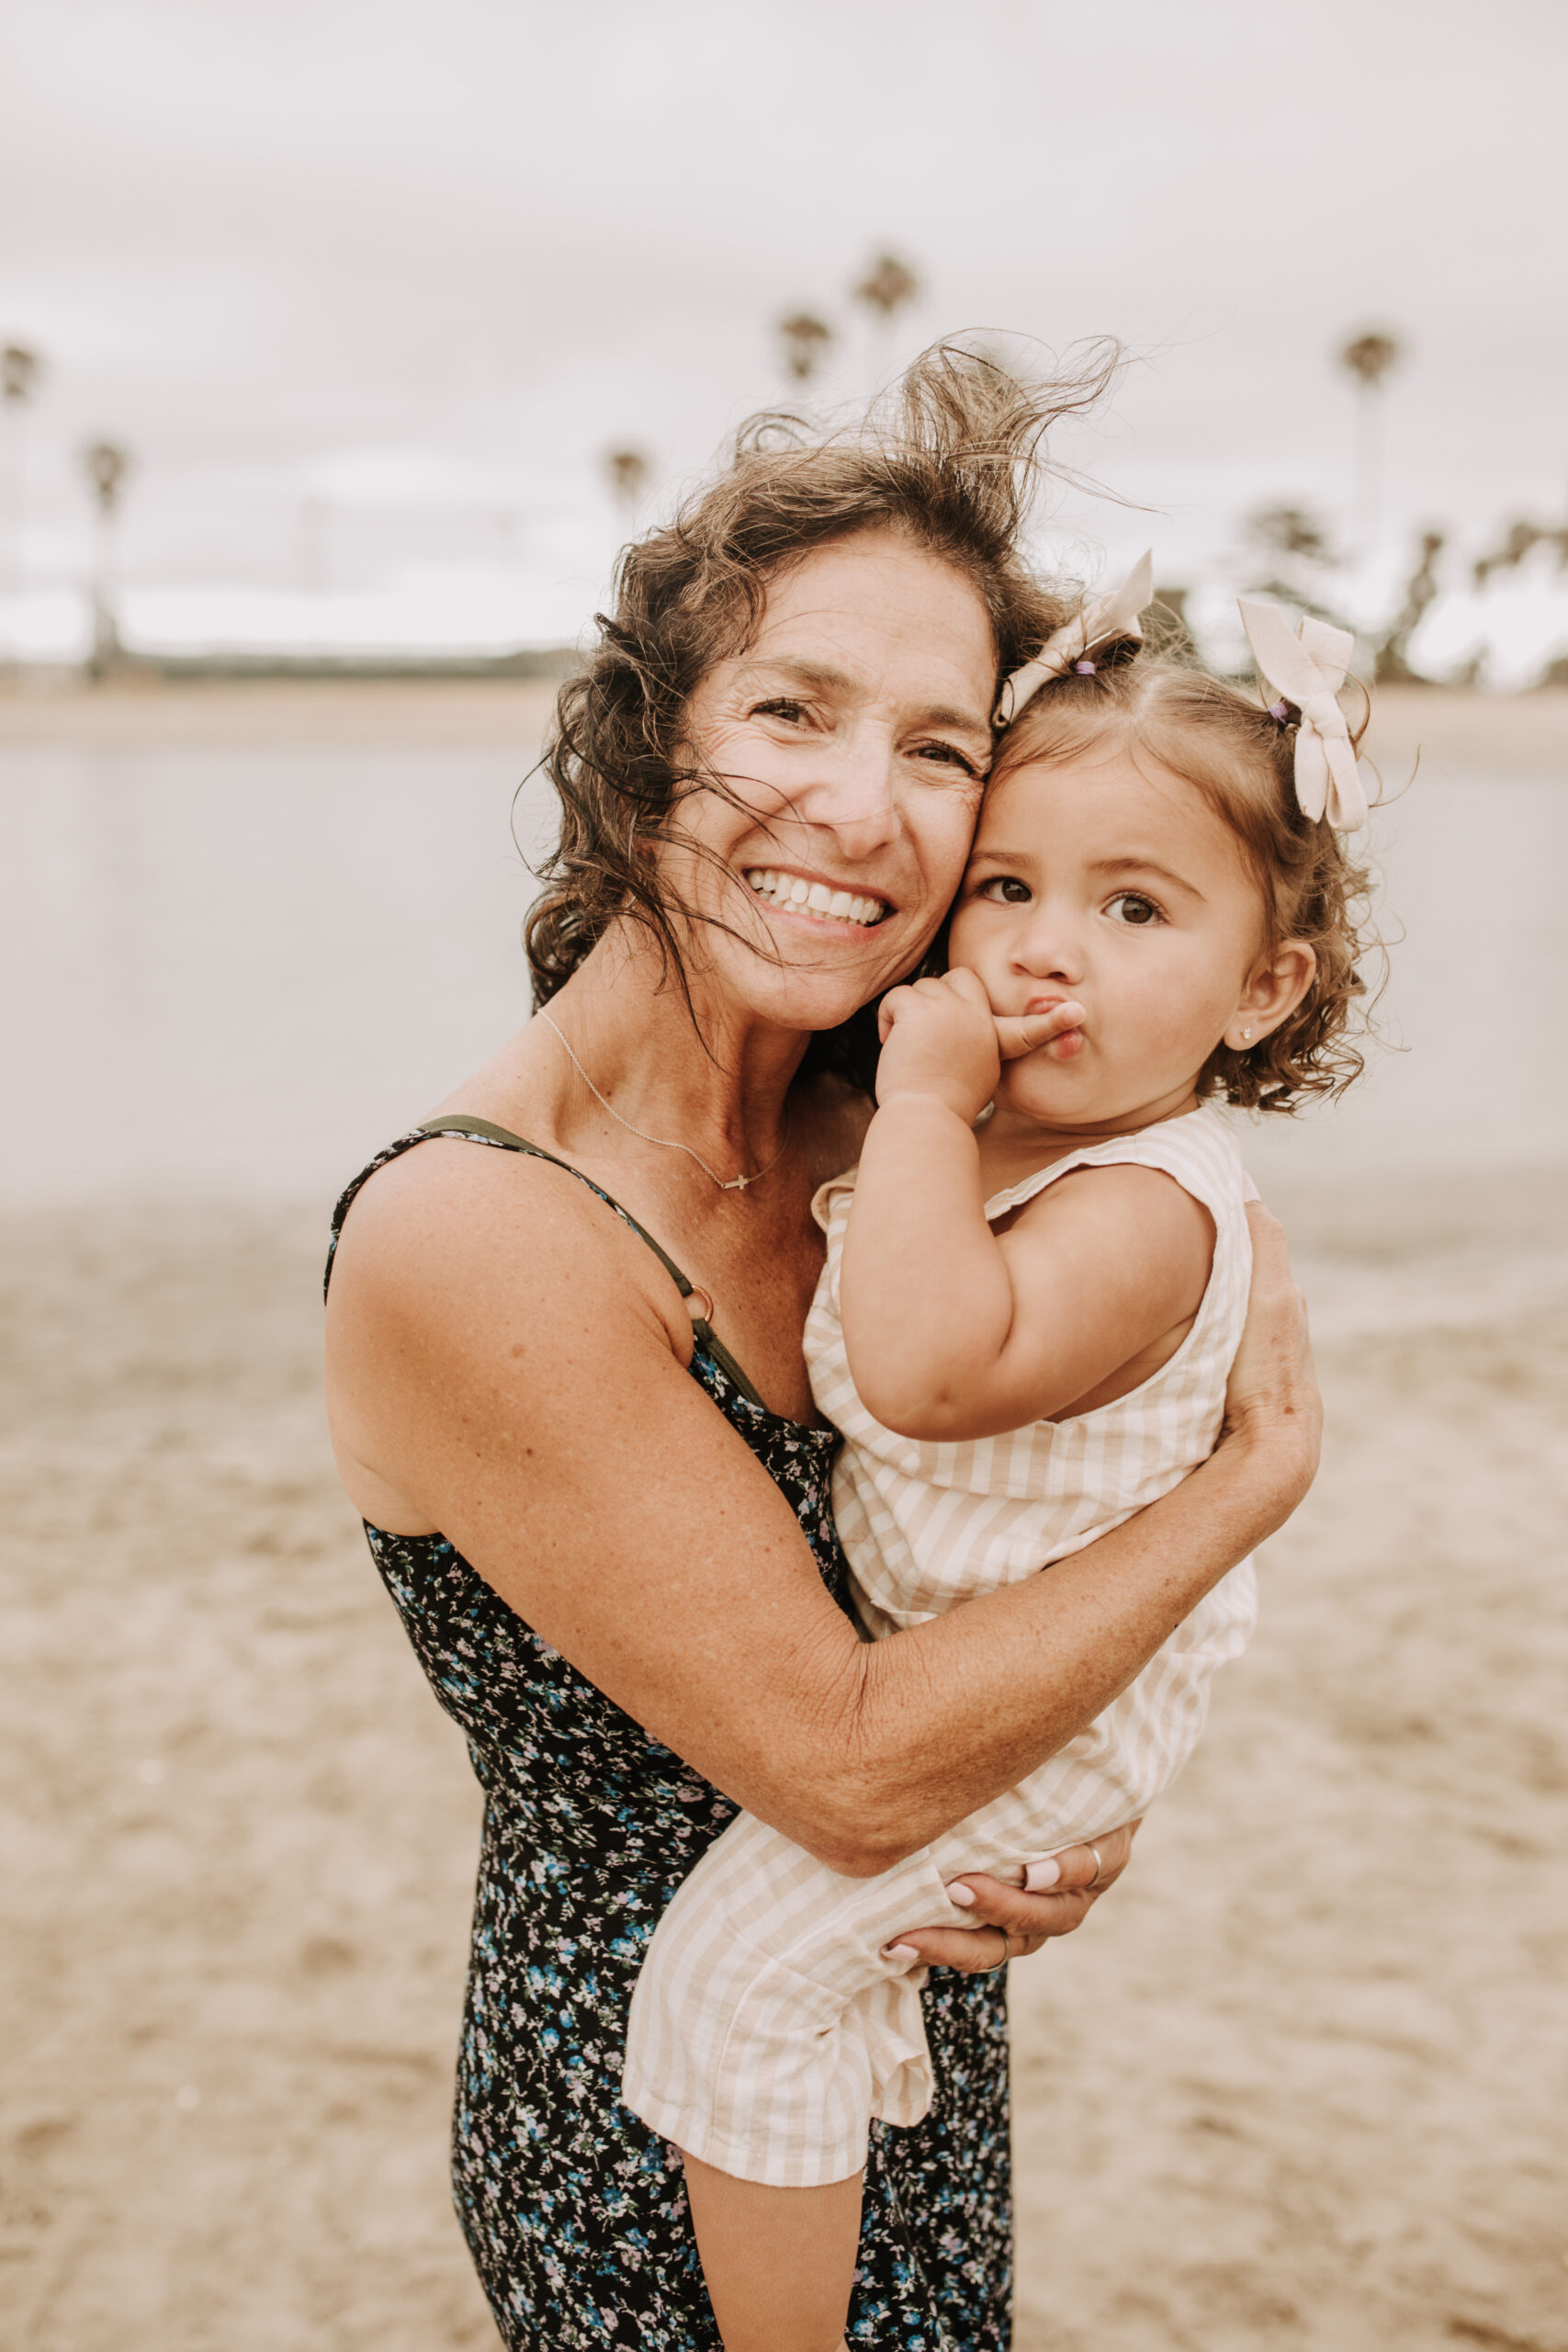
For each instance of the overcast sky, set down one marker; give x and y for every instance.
(368, 285)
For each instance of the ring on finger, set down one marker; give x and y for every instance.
(1006, 1954)
(1099, 1866)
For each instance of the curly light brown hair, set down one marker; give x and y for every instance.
(951, 461)
(1241, 759)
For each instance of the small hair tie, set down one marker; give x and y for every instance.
(1279, 712)
(1308, 665)
(1104, 618)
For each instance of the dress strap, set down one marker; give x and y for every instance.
(485, 1131)
(474, 1130)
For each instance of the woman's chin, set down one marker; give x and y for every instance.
(815, 1005)
(815, 984)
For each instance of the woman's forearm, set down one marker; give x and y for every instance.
(949, 1714)
(524, 1387)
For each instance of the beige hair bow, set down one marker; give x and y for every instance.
(1113, 615)
(1308, 669)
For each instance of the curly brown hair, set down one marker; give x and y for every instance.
(951, 461)
(1242, 760)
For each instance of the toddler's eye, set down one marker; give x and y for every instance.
(1005, 890)
(1135, 909)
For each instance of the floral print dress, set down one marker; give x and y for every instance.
(574, 2211)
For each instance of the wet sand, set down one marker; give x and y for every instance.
(1299, 2082)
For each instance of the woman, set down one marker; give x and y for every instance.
(609, 1542)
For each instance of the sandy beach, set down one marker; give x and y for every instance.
(1302, 2080)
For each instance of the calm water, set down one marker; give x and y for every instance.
(240, 971)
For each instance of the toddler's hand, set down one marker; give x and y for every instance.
(1025, 1032)
(938, 1038)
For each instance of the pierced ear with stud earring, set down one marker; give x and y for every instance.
(1246, 1036)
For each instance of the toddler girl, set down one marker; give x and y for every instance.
(1035, 1284)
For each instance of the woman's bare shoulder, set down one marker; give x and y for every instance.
(457, 1231)
(467, 1278)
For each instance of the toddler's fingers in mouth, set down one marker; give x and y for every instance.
(1060, 1026)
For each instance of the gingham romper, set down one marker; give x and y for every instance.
(767, 2028)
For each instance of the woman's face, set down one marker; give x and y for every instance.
(854, 734)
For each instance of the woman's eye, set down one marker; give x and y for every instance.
(948, 755)
(1005, 890)
(782, 706)
(1135, 909)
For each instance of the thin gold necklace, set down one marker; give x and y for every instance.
(667, 1143)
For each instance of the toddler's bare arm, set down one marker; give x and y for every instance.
(956, 1331)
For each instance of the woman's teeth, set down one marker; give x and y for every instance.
(803, 897)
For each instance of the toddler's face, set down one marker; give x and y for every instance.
(1110, 881)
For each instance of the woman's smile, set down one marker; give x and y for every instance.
(791, 891)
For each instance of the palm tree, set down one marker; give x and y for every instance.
(628, 470)
(1291, 555)
(885, 290)
(1421, 593)
(1521, 540)
(806, 339)
(1290, 530)
(1368, 358)
(106, 465)
(19, 369)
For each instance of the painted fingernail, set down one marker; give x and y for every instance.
(1040, 1875)
(902, 1952)
(962, 1896)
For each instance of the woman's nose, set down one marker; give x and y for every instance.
(854, 797)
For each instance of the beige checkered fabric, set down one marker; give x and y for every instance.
(766, 2029)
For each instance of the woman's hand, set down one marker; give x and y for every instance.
(1010, 1922)
(1272, 1398)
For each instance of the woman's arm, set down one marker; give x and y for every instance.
(507, 1358)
